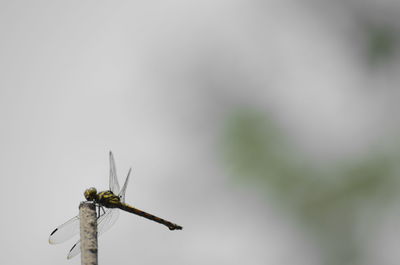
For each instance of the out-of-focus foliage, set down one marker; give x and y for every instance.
(382, 43)
(329, 202)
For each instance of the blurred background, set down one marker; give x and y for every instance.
(267, 129)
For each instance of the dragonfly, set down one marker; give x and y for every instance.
(108, 203)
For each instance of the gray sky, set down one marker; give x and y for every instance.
(152, 81)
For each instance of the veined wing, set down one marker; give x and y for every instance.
(71, 228)
(123, 190)
(65, 231)
(107, 220)
(104, 223)
(114, 186)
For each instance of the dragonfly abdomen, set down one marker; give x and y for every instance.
(128, 208)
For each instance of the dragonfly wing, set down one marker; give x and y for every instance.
(107, 218)
(75, 250)
(65, 231)
(123, 190)
(114, 186)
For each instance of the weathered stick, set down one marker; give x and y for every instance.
(88, 226)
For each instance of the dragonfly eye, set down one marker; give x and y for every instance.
(90, 194)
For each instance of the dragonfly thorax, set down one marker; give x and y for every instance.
(108, 199)
(91, 194)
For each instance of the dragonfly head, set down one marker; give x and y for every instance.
(90, 194)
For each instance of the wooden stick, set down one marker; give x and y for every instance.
(88, 227)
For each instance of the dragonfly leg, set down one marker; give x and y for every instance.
(98, 211)
(104, 211)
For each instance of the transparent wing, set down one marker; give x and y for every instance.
(114, 186)
(75, 250)
(107, 220)
(123, 190)
(65, 231)
(104, 222)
